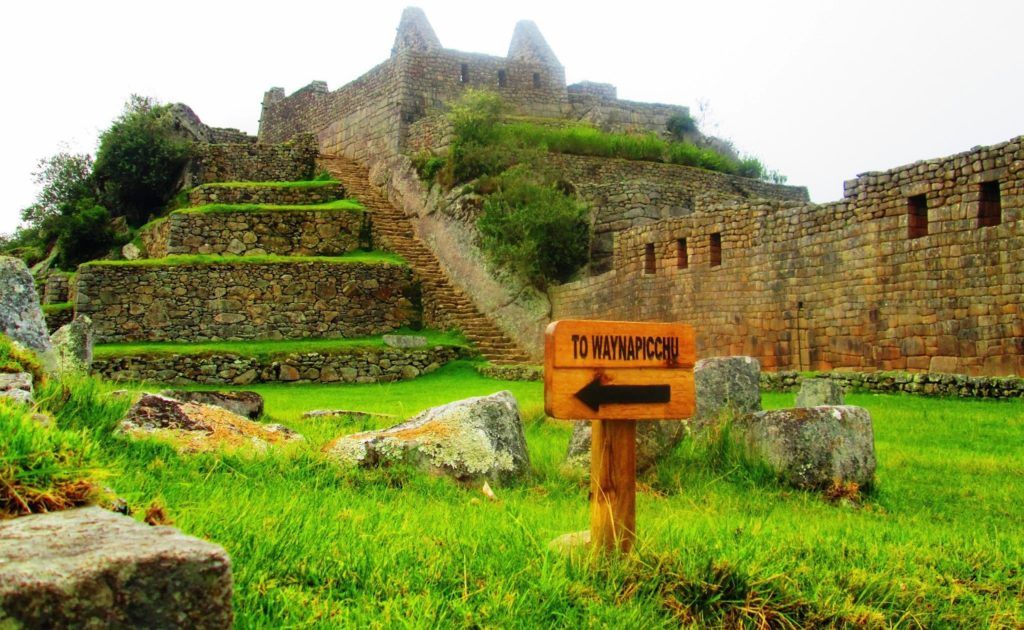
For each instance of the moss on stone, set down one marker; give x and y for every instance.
(349, 205)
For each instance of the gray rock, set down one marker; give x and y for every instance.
(21, 317)
(17, 395)
(338, 413)
(72, 344)
(466, 439)
(244, 403)
(405, 341)
(16, 380)
(654, 440)
(812, 448)
(726, 385)
(90, 568)
(815, 392)
(131, 252)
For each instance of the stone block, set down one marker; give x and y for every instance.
(92, 568)
(726, 385)
(815, 392)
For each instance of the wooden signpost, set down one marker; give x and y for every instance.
(615, 374)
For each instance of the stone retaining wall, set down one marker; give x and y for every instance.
(277, 195)
(287, 162)
(904, 382)
(251, 233)
(154, 238)
(55, 318)
(58, 287)
(358, 365)
(240, 300)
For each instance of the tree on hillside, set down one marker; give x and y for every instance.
(139, 161)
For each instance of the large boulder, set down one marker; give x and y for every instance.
(815, 392)
(72, 345)
(244, 403)
(654, 440)
(21, 317)
(466, 439)
(726, 386)
(90, 568)
(194, 427)
(812, 448)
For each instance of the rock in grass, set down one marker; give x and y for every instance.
(72, 344)
(812, 448)
(345, 413)
(405, 341)
(726, 386)
(194, 427)
(21, 317)
(467, 439)
(654, 440)
(244, 403)
(91, 568)
(16, 387)
(815, 392)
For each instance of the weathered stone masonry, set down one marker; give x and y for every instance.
(252, 233)
(842, 285)
(289, 161)
(240, 300)
(358, 365)
(276, 195)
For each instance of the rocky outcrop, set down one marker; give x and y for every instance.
(654, 440)
(812, 448)
(72, 345)
(90, 568)
(815, 392)
(195, 427)
(21, 317)
(466, 439)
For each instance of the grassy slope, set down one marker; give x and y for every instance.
(373, 258)
(268, 347)
(939, 544)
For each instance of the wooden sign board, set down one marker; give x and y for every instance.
(600, 370)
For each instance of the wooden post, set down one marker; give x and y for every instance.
(613, 484)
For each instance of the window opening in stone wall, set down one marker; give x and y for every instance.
(990, 207)
(650, 265)
(536, 79)
(682, 256)
(917, 216)
(716, 249)
(502, 78)
(464, 73)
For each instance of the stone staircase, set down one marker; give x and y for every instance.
(444, 304)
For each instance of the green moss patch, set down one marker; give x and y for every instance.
(368, 258)
(349, 205)
(57, 307)
(270, 347)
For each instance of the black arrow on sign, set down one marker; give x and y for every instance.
(596, 394)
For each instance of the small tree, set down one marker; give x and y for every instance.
(139, 161)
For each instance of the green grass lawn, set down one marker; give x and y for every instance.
(939, 543)
(269, 347)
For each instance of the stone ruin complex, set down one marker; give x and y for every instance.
(918, 268)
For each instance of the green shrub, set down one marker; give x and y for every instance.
(428, 165)
(139, 161)
(681, 124)
(42, 469)
(85, 234)
(532, 229)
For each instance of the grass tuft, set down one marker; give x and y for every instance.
(359, 257)
(348, 205)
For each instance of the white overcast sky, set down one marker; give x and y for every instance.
(820, 90)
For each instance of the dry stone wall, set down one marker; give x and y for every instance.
(626, 193)
(358, 365)
(956, 385)
(277, 195)
(283, 162)
(257, 233)
(852, 284)
(57, 288)
(154, 238)
(243, 300)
